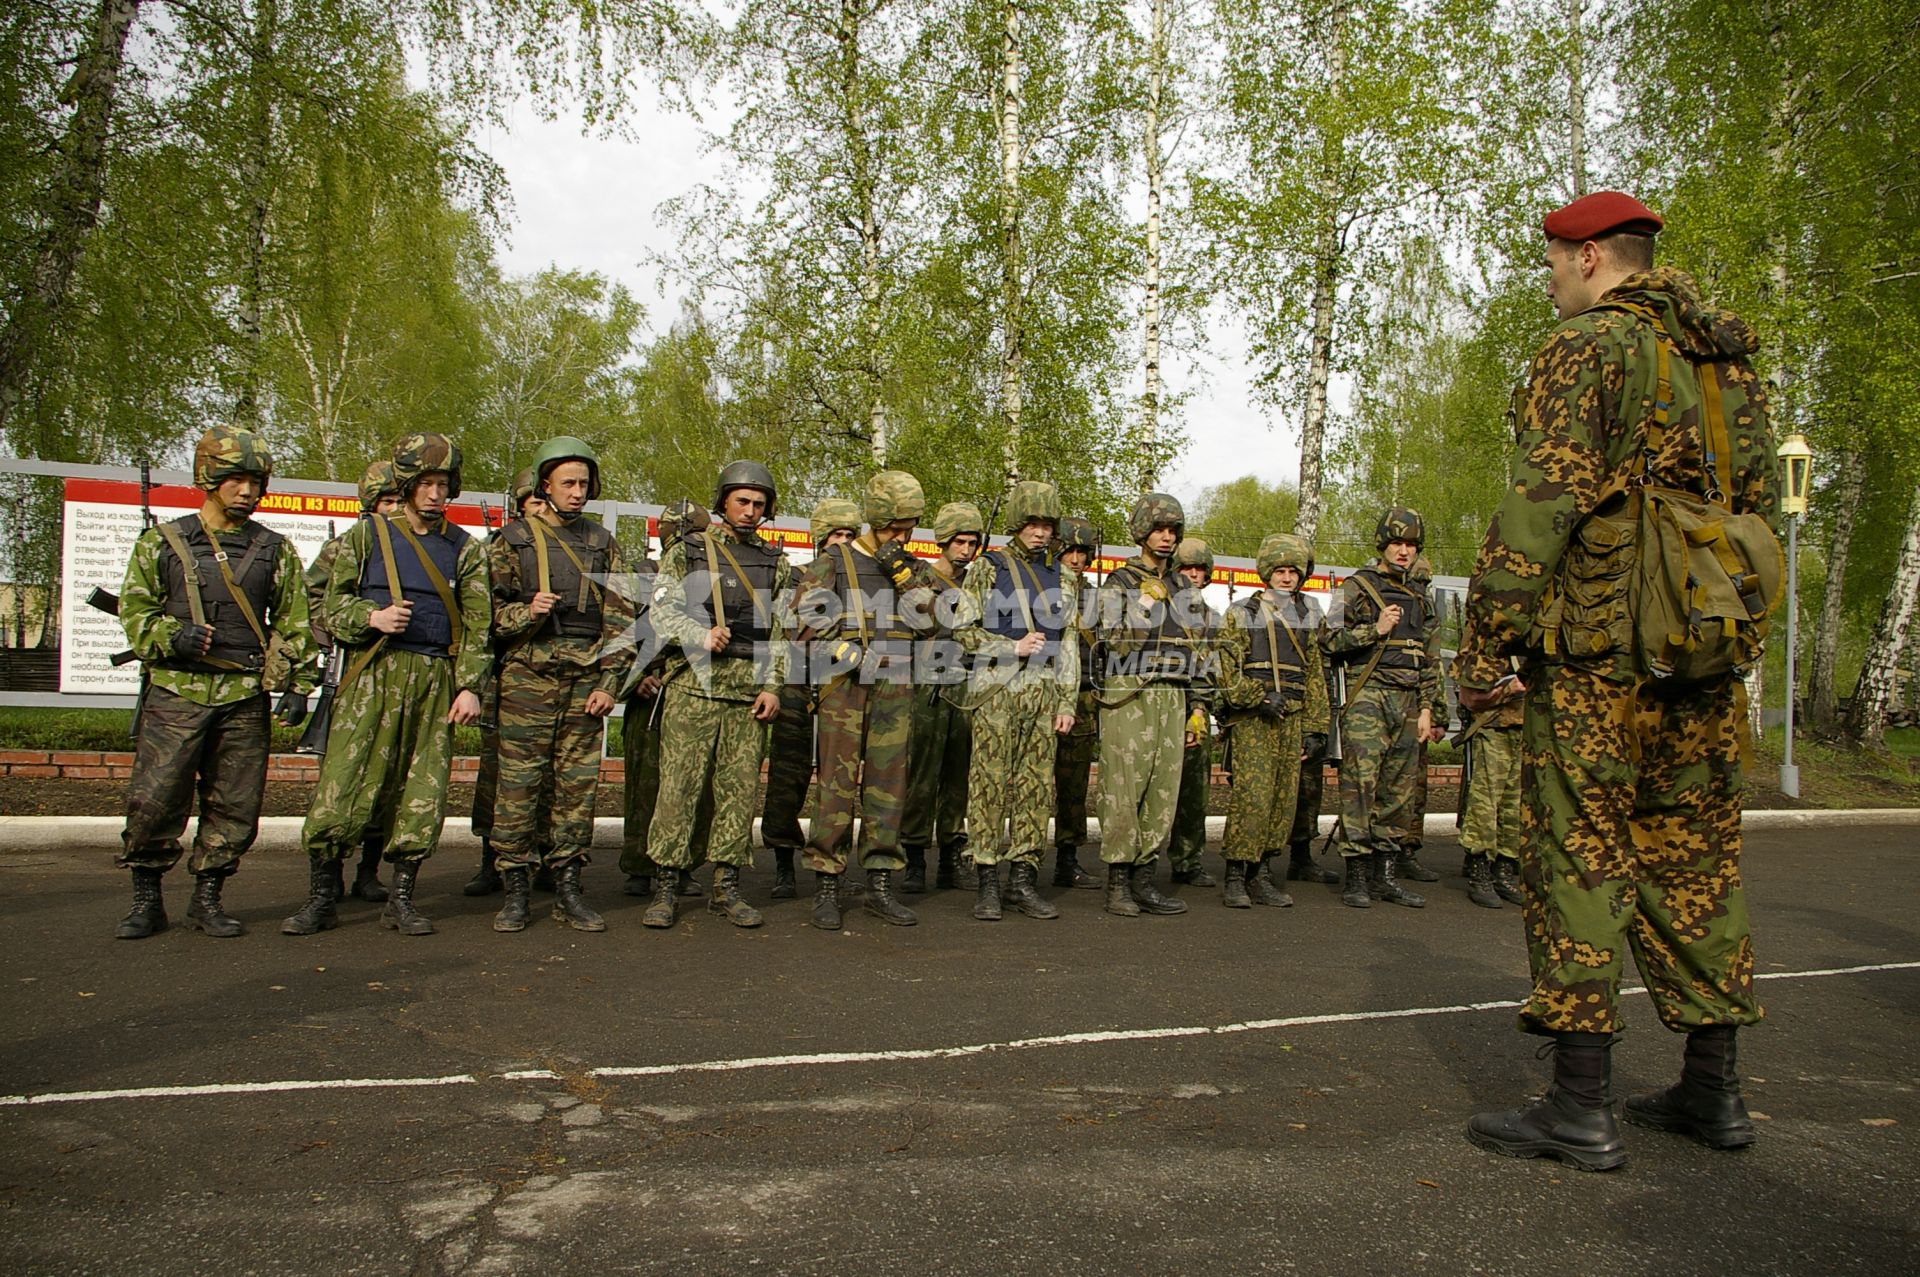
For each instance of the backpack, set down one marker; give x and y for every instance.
(1674, 578)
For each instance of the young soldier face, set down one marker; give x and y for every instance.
(429, 495)
(744, 508)
(962, 549)
(567, 486)
(1161, 540)
(238, 494)
(386, 503)
(1196, 576)
(1077, 559)
(1285, 580)
(1400, 553)
(837, 536)
(1035, 534)
(1569, 275)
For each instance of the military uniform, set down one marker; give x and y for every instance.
(940, 749)
(1420, 576)
(1189, 837)
(1074, 752)
(1490, 805)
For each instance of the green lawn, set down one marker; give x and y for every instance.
(89, 730)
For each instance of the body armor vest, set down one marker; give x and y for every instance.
(869, 601)
(1406, 647)
(578, 614)
(746, 605)
(1276, 650)
(252, 562)
(1025, 599)
(1163, 650)
(429, 629)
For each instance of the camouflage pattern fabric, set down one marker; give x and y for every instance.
(1073, 775)
(640, 747)
(1379, 733)
(1142, 742)
(225, 451)
(1189, 836)
(549, 768)
(939, 765)
(1306, 806)
(486, 780)
(864, 729)
(221, 747)
(709, 758)
(1630, 840)
(1266, 785)
(1490, 809)
(789, 770)
(681, 634)
(1010, 792)
(1414, 837)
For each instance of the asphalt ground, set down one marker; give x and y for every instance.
(1234, 1091)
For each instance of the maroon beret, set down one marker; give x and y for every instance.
(1600, 213)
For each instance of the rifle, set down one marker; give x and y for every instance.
(1466, 782)
(314, 739)
(1337, 693)
(121, 658)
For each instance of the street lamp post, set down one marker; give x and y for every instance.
(1797, 460)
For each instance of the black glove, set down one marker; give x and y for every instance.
(896, 561)
(1314, 746)
(192, 641)
(292, 709)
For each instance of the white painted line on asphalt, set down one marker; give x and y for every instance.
(237, 1088)
(528, 1075)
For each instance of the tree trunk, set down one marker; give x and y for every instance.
(853, 118)
(1866, 715)
(1849, 489)
(1326, 283)
(1577, 95)
(256, 189)
(1149, 444)
(1011, 290)
(72, 204)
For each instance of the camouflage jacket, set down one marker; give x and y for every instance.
(1351, 640)
(1580, 419)
(1240, 690)
(1128, 614)
(995, 651)
(682, 635)
(520, 638)
(150, 631)
(1207, 637)
(317, 572)
(346, 614)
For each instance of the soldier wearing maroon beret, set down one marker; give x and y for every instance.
(1630, 827)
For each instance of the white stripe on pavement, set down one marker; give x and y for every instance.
(237, 1088)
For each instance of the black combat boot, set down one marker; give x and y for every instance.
(1411, 869)
(1573, 1121)
(966, 875)
(1262, 887)
(569, 904)
(689, 885)
(986, 900)
(943, 867)
(1023, 892)
(1706, 1103)
(638, 885)
(1300, 866)
(366, 878)
(880, 902)
(726, 899)
(149, 912)
(1385, 886)
(784, 886)
(318, 914)
(400, 914)
(665, 905)
(1194, 876)
(913, 879)
(486, 879)
(1234, 894)
(1147, 896)
(826, 901)
(1068, 873)
(1480, 882)
(1354, 892)
(204, 912)
(1506, 880)
(1119, 892)
(513, 913)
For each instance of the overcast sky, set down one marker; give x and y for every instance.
(587, 202)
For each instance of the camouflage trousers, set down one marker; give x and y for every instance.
(1266, 785)
(486, 781)
(709, 753)
(863, 729)
(1010, 787)
(1490, 809)
(789, 769)
(1072, 773)
(1415, 836)
(1306, 807)
(1142, 747)
(549, 769)
(640, 750)
(939, 754)
(1630, 839)
(221, 747)
(1379, 733)
(389, 752)
(1189, 836)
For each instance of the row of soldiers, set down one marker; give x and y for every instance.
(954, 705)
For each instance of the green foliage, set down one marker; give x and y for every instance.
(1234, 517)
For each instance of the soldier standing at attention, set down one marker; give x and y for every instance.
(1384, 642)
(1147, 708)
(941, 747)
(408, 596)
(1420, 577)
(1193, 569)
(560, 623)
(1490, 801)
(1073, 757)
(1631, 785)
(790, 738)
(715, 610)
(203, 596)
(1274, 692)
(1024, 683)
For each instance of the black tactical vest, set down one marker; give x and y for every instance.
(578, 614)
(1406, 647)
(746, 606)
(429, 628)
(870, 602)
(1163, 650)
(1272, 655)
(251, 558)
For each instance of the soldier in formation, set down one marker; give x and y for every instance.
(1490, 797)
(1073, 757)
(1193, 570)
(941, 751)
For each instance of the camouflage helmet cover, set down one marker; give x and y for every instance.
(745, 474)
(680, 518)
(893, 495)
(377, 482)
(225, 451)
(1421, 569)
(1155, 510)
(1077, 533)
(418, 455)
(1032, 501)
(831, 515)
(521, 489)
(1283, 550)
(567, 448)
(1400, 524)
(956, 517)
(1192, 552)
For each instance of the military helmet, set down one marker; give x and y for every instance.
(956, 517)
(680, 518)
(1283, 550)
(832, 514)
(1155, 510)
(893, 495)
(1192, 552)
(225, 451)
(1421, 569)
(377, 482)
(1399, 524)
(1077, 533)
(567, 448)
(417, 455)
(520, 489)
(1032, 500)
(744, 474)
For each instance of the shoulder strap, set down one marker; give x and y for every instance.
(543, 567)
(1713, 424)
(170, 530)
(228, 577)
(855, 603)
(440, 585)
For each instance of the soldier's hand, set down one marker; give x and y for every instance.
(192, 640)
(599, 704)
(1425, 728)
(766, 707)
(465, 711)
(896, 560)
(649, 687)
(292, 709)
(717, 638)
(1389, 617)
(1313, 747)
(1029, 644)
(393, 618)
(543, 602)
(1062, 724)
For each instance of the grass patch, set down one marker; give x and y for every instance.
(105, 730)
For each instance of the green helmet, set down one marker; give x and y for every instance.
(893, 495)
(566, 448)
(745, 474)
(1077, 533)
(225, 451)
(1283, 550)
(833, 514)
(1155, 510)
(520, 489)
(956, 517)
(1192, 552)
(377, 482)
(680, 518)
(1032, 500)
(417, 455)
(1399, 524)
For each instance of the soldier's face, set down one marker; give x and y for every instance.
(239, 494)
(744, 508)
(533, 507)
(1570, 276)
(1196, 576)
(838, 536)
(1077, 559)
(567, 486)
(963, 549)
(386, 503)
(429, 495)
(1400, 553)
(1285, 580)
(1035, 534)
(1161, 540)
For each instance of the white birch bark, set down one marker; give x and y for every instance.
(1326, 283)
(853, 121)
(1149, 442)
(254, 188)
(1011, 289)
(1849, 490)
(1866, 714)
